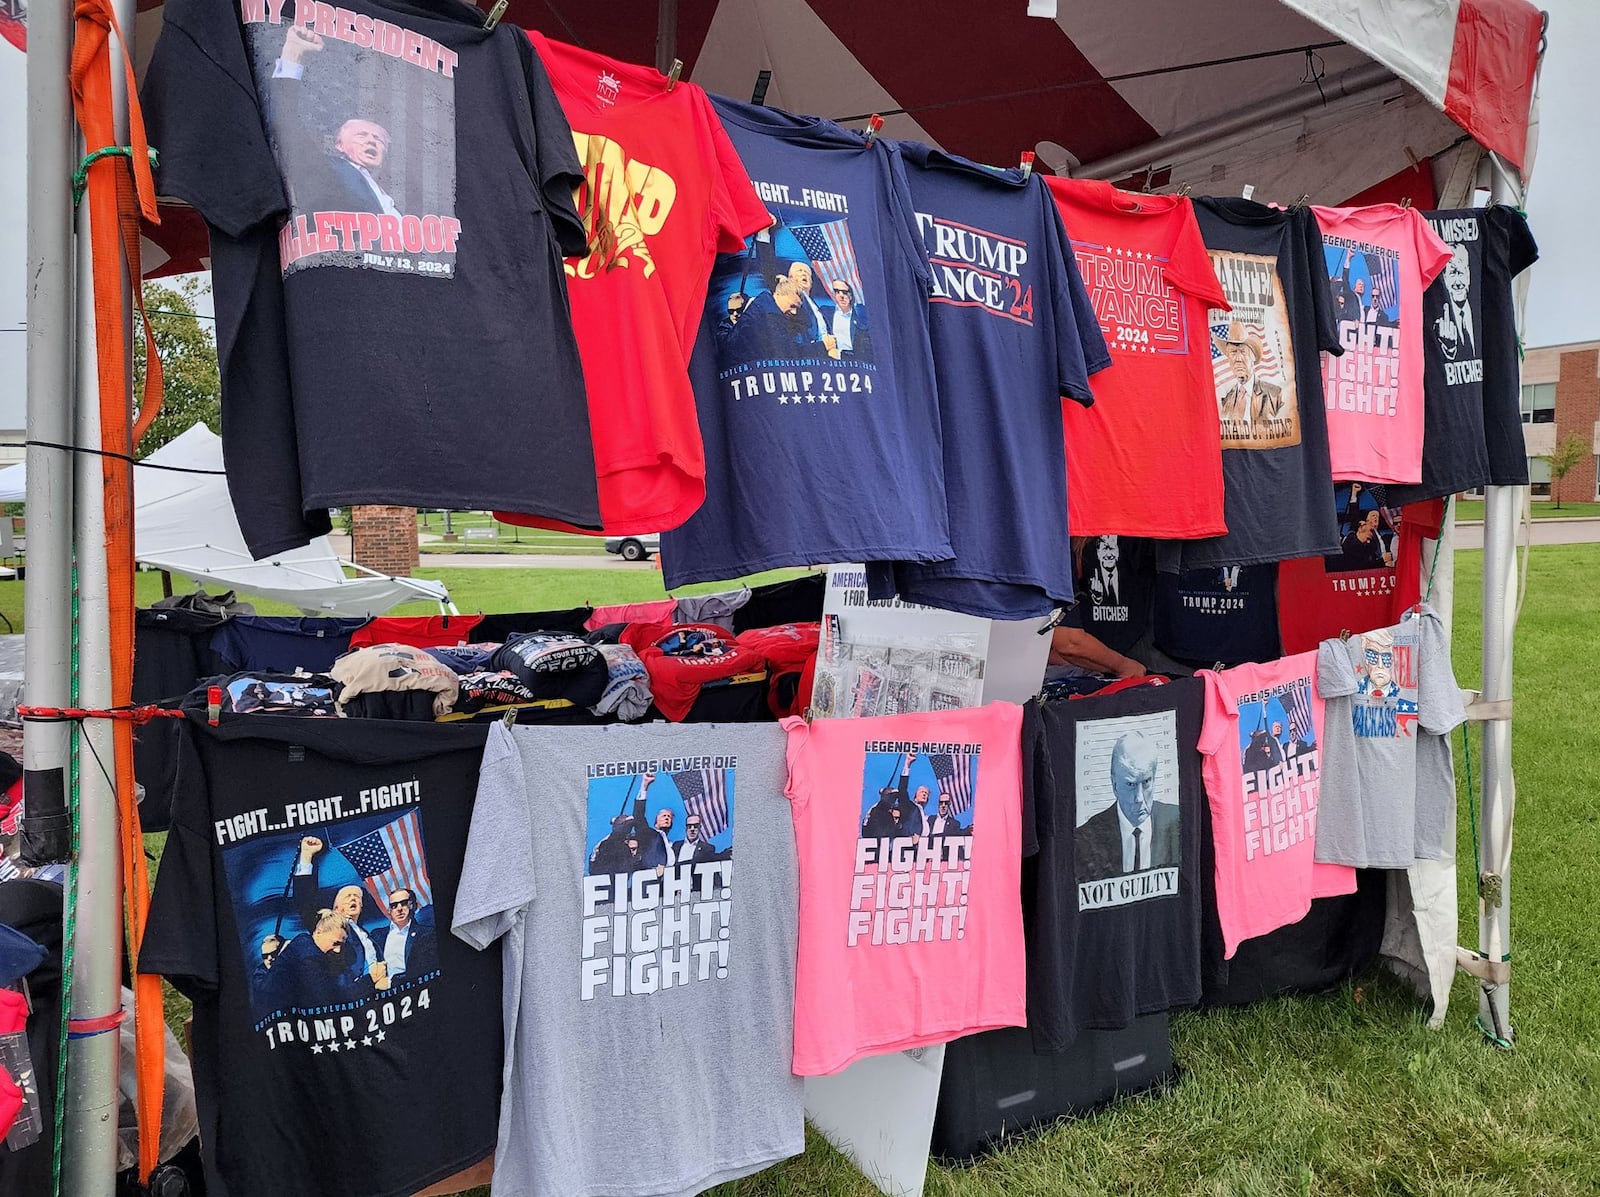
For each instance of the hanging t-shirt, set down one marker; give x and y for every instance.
(1473, 365)
(282, 643)
(1116, 579)
(637, 974)
(502, 627)
(1227, 614)
(1375, 577)
(419, 631)
(1146, 458)
(1012, 334)
(1379, 259)
(663, 194)
(302, 1044)
(1392, 701)
(1114, 894)
(1262, 742)
(392, 183)
(910, 916)
(798, 600)
(1266, 363)
(813, 372)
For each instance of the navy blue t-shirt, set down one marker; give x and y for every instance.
(813, 372)
(1013, 331)
(283, 643)
(1226, 614)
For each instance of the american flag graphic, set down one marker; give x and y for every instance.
(828, 246)
(955, 778)
(1385, 272)
(705, 793)
(1269, 368)
(391, 858)
(1298, 703)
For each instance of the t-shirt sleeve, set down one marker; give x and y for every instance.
(1439, 706)
(903, 215)
(1522, 250)
(1432, 252)
(1080, 346)
(1218, 722)
(1038, 780)
(736, 209)
(203, 118)
(799, 733)
(1321, 285)
(559, 173)
(497, 876)
(1189, 267)
(180, 936)
(1336, 678)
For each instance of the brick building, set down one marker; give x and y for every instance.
(1561, 398)
(385, 539)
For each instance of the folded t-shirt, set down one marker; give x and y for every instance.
(555, 666)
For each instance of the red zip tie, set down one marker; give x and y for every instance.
(138, 715)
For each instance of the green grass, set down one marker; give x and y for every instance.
(509, 538)
(1345, 1093)
(1472, 509)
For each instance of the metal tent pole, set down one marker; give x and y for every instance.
(1503, 508)
(89, 1161)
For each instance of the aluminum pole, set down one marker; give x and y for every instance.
(47, 606)
(89, 1160)
(1502, 514)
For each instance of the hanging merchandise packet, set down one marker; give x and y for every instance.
(1392, 703)
(1013, 333)
(1267, 369)
(813, 371)
(1116, 578)
(1117, 800)
(1146, 458)
(641, 983)
(388, 188)
(1375, 577)
(1379, 259)
(910, 916)
(663, 194)
(304, 907)
(1472, 426)
(1227, 614)
(1263, 742)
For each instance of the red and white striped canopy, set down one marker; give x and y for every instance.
(1326, 98)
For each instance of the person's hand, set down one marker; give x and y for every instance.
(1445, 329)
(310, 845)
(379, 973)
(1355, 491)
(831, 344)
(646, 778)
(1130, 668)
(660, 869)
(300, 42)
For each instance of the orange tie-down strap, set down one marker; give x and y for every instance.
(117, 196)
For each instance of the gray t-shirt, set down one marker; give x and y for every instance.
(649, 1001)
(1388, 780)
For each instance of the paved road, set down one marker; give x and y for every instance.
(1545, 531)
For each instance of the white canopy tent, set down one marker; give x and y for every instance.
(184, 523)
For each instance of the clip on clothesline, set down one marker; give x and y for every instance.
(140, 715)
(1027, 163)
(80, 177)
(874, 127)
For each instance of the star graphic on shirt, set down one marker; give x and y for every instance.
(316, 1049)
(836, 398)
(333, 1047)
(379, 1036)
(782, 399)
(366, 1041)
(349, 1045)
(813, 398)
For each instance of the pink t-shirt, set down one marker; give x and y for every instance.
(909, 830)
(1379, 260)
(1262, 742)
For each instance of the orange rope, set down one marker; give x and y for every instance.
(116, 200)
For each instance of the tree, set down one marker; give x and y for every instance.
(1567, 455)
(188, 349)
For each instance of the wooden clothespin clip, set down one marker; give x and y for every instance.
(1183, 192)
(495, 13)
(874, 127)
(1299, 203)
(1027, 163)
(509, 719)
(1344, 635)
(674, 73)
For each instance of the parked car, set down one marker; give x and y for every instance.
(634, 548)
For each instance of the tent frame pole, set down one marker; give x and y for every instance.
(1503, 509)
(89, 1153)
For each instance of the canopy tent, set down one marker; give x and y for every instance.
(1325, 98)
(184, 523)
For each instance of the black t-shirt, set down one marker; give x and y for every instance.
(1115, 578)
(1472, 417)
(492, 629)
(172, 651)
(389, 192)
(310, 1078)
(1227, 615)
(798, 600)
(1267, 365)
(1113, 905)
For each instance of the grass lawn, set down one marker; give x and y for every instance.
(1345, 1093)
(509, 538)
(1472, 509)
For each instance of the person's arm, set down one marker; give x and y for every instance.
(306, 899)
(1074, 646)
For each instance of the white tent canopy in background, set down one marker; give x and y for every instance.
(184, 523)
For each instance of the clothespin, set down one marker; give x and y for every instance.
(1027, 163)
(874, 127)
(674, 73)
(495, 13)
(1299, 203)
(1411, 157)
(1249, 191)
(1055, 619)
(1344, 635)
(213, 705)
(509, 719)
(1405, 203)
(1183, 192)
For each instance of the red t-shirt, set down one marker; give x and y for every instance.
(1146, 459)
(1321, 597)
(419, 631)
(665, 192)
(680, 658)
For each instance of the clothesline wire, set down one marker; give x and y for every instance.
(1076, 84)
(127, 457)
